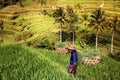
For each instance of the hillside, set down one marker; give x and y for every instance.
(28, 24)
(24, 63)
(30, 39)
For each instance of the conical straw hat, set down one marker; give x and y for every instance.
(71, 47)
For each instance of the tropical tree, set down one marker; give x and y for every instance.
(60, 17)
(42, 2)
(97, 21)
(113, 24)
(85, 19)
(20, 3)
(72, 20)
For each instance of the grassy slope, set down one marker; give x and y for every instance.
(18, 63)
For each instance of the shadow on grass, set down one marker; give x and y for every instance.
(115, 56)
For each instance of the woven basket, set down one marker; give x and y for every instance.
(62, 50)
(90, 61)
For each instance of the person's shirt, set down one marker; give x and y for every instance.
(73, 58)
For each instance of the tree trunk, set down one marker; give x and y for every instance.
(85, 25)
(21, 5)
(73, 40)
(96, 40)
(112, 42)
(60, 33)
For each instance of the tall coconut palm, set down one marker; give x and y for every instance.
(113, 24)
(85, 19)
(72, 20)
(60, 17)
(21, 4)
(43, 2)
(97, 21)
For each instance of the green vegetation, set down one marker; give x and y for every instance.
(26, 63)
(32, 17)
(97, 21)
(89, 52)
(39, 23)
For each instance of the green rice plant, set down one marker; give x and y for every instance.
(20, 63)
(25, 63)
(89, 52)
(61, 44)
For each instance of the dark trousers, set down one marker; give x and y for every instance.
(74, 71)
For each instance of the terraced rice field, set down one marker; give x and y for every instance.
(18, 63)
(43, 27)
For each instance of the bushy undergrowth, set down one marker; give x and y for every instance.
(18, 63)
(89, 52)
(115, 56)
(62, 44)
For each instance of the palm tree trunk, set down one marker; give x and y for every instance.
(60, 33)
(112, 42)
(96, 40)
(85, 26)
(73, 40)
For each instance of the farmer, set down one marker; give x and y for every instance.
(73, 60)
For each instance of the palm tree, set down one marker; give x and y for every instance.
(85, 19)
(42, 2)
(60, 17)
(113, 24)
(21, 4)
(97, 21)
(72, 20)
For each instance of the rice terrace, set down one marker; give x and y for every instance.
(35, 36)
